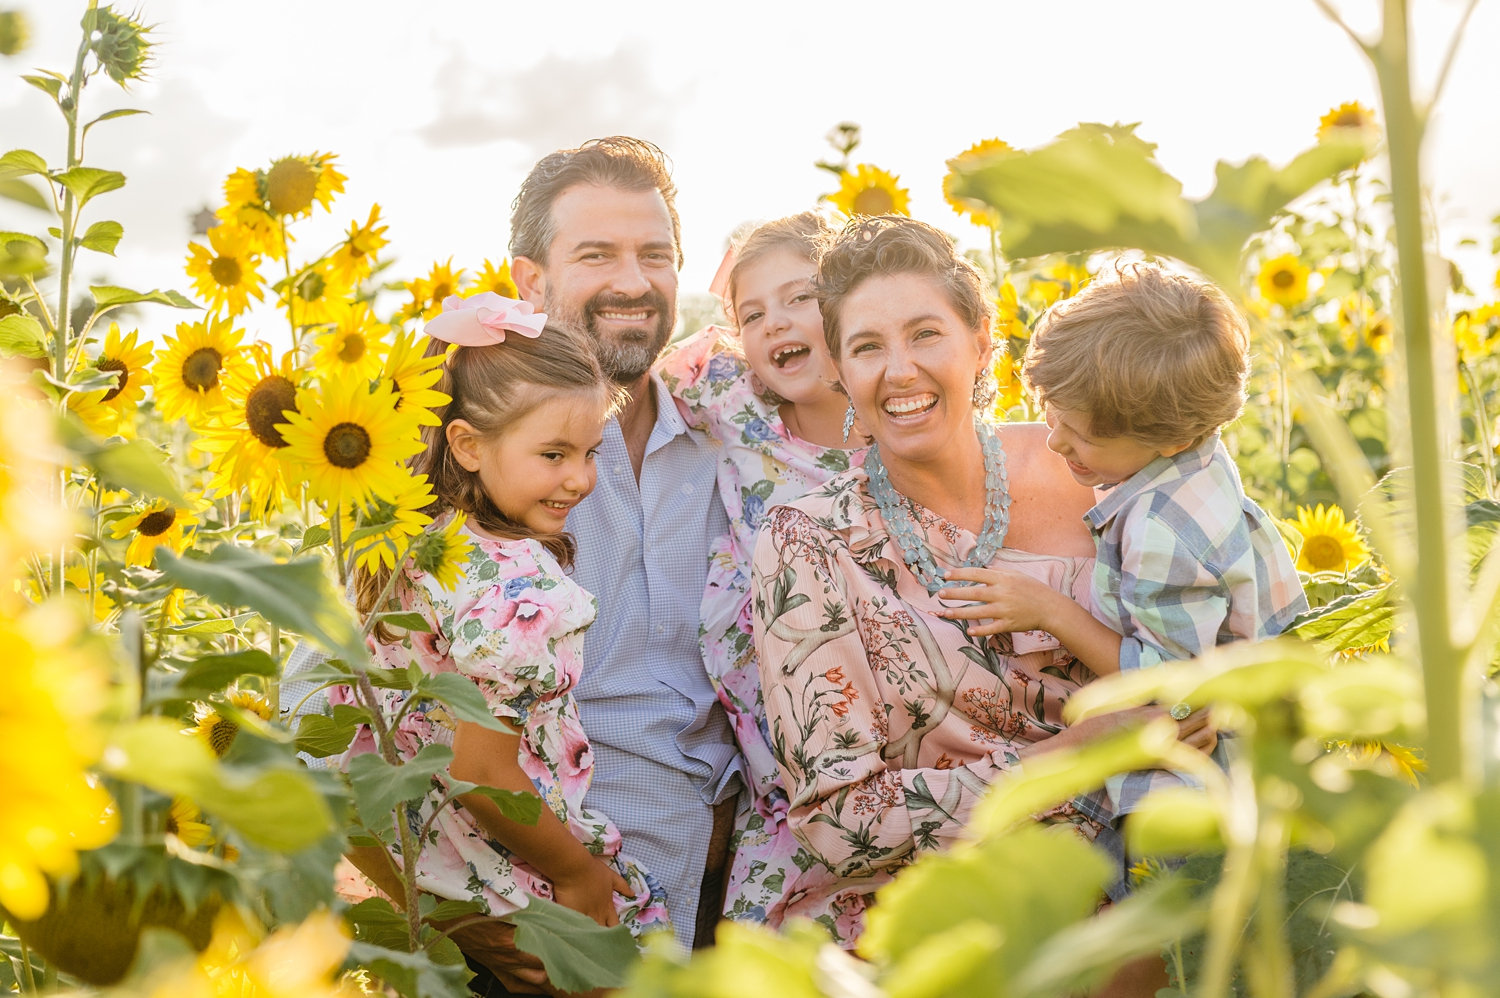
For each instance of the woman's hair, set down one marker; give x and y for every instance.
(884, 245)
(491, 388)
(806, 233)
(1150, 354)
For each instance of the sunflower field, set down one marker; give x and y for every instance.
(179, 515)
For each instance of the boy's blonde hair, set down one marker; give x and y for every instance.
(1150, 354)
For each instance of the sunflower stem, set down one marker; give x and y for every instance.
(336, 532)
(286, 266)
(1447, 64)
(27, 983)
(1450, 728)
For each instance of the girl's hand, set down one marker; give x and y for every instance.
(591, 890)
(1008, 600)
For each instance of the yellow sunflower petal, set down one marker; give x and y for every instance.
(869, 190)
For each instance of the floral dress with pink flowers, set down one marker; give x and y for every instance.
(761, 464)
(889, 721)
(513, 624)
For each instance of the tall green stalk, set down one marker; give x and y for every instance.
(1449, 729)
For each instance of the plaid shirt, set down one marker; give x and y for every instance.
(1186, 562)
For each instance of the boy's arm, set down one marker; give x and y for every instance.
(1008, 601)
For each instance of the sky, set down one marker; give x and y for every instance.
(437, 110)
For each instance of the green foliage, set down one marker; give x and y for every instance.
(294, 595)
(577, 952)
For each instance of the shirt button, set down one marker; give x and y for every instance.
(619, 469)
(661, 628)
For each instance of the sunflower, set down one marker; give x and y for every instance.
(1329, 542)
(1474, 341)
(1348, 119)
(1358, 321)
(496, 278)
(1058, 282)
(1010, 393)
(1283, 280)
(217, 731)
(869, 190)
(353, 348)
(442, 553)
(225, 274)
(976, 211)
(411, 377)
(51, 692)
(293, 183)
(348, 441)
(245, 209)
(154, 524)
(190, 372)
(355, 256)
(317, 297)
(184, 820)
(375, 532)
(243, 436)
(251, 702)
(427, 293)
(133, 362)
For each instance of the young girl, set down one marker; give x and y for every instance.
(766, 391)
(514, 453)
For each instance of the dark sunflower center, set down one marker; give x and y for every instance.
(226, 271)
(873, 201)
(200, 371)
(172, 828)
(221, 736)
(1283, 279)
(311, 287)
(1323, 553)
(347, 445)
(352, 349)
(157, 523)
(396, 391)
(1349, 119)
(114, 364)
(266, 406)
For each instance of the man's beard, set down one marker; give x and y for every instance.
(626, 356)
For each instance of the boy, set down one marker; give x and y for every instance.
(1136, 375)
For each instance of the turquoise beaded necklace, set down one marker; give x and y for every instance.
(904, 532)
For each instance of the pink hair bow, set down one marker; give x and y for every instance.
(482, 319)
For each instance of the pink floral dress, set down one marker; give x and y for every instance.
(761, 464)
(514, 624)
(890, 722)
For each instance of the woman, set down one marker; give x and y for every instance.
(888, 719)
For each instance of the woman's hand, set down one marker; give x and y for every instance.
(1008, 600)
(590, 889)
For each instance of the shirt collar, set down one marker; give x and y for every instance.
(1159, 472)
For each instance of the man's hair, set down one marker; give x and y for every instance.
(618, 161)
(1148, 353)
(806, 233)
(885, 245)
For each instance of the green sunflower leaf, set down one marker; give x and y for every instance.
(22, 336)
(102, 237)
(279, 809)
(18, 190)
(20, 161)
(88, 182)
(107, 296)
(119, 112)
(133, 464)
(320, 735)
(406, 620)
(577, 951)
(379, 786)
(416, 975)
(517, 805)
(211, 673)
(1356, 620)
(462, 697)
(294, 595)
(47, 84)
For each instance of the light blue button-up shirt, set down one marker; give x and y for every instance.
(663, 749)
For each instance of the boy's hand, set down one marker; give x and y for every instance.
(1008, 600)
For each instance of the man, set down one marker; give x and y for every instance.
(595, 241)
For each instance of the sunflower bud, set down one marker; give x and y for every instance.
(120, 44)
(14, 32)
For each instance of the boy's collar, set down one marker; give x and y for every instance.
(1155, 474)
